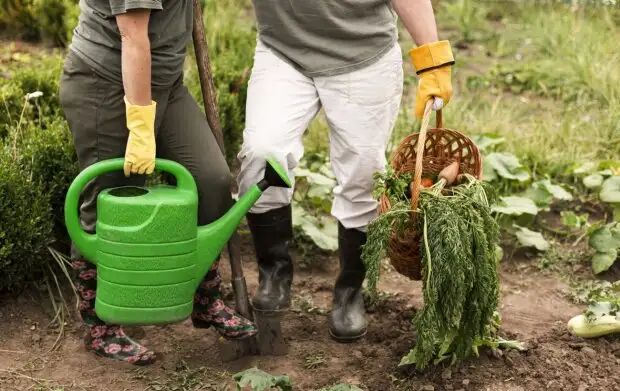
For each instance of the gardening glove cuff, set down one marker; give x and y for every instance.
(433, 63)
(140, 152)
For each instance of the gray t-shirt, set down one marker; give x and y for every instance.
(327, 37)
(97, 41)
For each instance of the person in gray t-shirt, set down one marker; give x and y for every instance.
(341, 56)
(122, 93)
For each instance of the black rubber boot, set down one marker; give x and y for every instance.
(347, 320)
(272, 233)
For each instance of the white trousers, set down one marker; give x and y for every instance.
(361, 109)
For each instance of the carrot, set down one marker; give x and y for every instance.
(427, 182)
(449, 173)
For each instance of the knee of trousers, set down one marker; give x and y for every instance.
(214, 196)
(253, 157)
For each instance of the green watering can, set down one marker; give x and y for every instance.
(150, 253)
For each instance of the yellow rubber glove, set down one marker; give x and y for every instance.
(433, 63)
(140, 152)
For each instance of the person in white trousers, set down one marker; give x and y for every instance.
(342, 56)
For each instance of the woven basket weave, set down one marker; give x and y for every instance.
(425, 154)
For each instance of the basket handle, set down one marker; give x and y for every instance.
(417, 179)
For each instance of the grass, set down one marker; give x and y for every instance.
(545, 78)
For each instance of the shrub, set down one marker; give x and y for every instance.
(35, 20)
(43, 76)
(25, 224)
(48, 154)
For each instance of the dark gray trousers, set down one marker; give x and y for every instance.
(95, 111)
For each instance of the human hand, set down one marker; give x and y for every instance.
(433, 63)
(140, 151)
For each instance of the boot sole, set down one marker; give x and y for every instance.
(347, 339)
(270, 311)
(201, 324)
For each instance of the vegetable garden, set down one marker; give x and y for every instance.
(524, 292)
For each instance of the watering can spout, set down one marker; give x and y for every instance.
(213, 237)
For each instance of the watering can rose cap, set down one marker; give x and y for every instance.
(432, 62)
(149, 250)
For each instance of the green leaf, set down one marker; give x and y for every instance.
(261, 381)
(544, 192)
(585, 168)
(529, 238)
(612, 166)
(514, 205)
(557, 191)
(487, 140)
(572, 220)
(323, 233)
(603, 261)
(593, 181)
(605, 239)
(610, 192)
(507, 166)
(541, 197)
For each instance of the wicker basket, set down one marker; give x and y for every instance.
(437, 148)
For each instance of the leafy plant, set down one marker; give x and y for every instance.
(259, 380)
(312, 201)
(504, 165)
(605, 240)
(610, 193)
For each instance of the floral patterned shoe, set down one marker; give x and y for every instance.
(112, 342)
(106, 340)
(210, 310)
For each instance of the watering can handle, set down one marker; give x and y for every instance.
(85, 242)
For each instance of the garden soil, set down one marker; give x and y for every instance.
(534, 307)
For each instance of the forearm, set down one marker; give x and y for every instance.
(418, 18)
(136, 68)
(136, 55)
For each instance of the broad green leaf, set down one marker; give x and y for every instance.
(487, 140)
(529, 238)
(514, 205)
(544, 192)
(541, 197)
(572, 220)
(593, 181)
(610, 165)
(610, 192)
(557, 191)
(324, 235)
(488, 172)
(603, 261)
(585, 168)
(604, 240)
(507, 166)
(261, 381)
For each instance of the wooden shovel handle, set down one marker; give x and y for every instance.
(205, 74)
(419, 156)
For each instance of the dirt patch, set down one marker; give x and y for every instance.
(533, 305)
